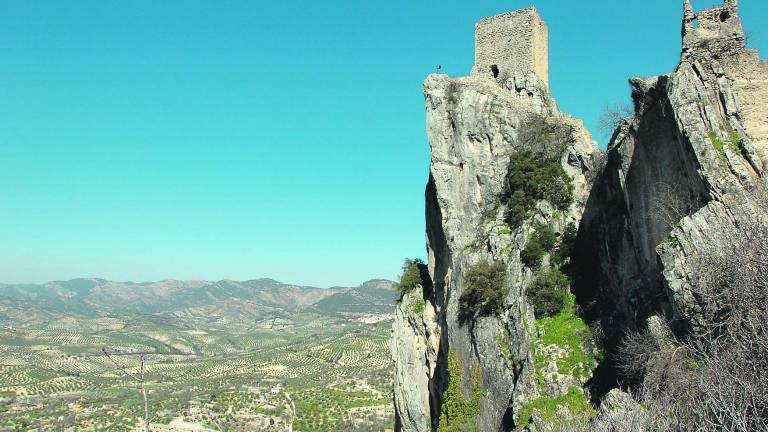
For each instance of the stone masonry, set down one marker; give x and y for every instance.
(511, 45)
(715, 26)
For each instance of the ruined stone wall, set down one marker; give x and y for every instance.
(516, 43)
(718, 27)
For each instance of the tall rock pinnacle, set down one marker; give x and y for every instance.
(475, 125)
(509, 171)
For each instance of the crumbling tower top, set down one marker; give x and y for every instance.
(718, 30)
(512, 44)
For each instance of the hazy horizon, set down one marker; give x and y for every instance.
(141, 282)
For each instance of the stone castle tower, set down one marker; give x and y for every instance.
(511, 45)
(718, 27)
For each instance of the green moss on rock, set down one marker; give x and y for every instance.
(567, 330)
(572, 335)
(459, 412)
(575, 401)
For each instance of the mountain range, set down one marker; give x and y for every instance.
(243, 299)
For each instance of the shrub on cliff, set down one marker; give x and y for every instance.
(714, 378)
(411, 276)
(541, 242)
(547, 292)
(485, 288)
(532, 177)
(562, 254)
(545, 134)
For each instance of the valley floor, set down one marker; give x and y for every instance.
(314, 372)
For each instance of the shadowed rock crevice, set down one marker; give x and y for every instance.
(437, 269)
(651, 180)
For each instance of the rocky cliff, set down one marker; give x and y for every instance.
(475, 124)
(671, 176)
(675, 175)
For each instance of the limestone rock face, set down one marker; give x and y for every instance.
(474, 124)
(674, 174)
(620, 412)
(414, 345)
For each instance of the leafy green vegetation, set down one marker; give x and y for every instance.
(564, 250)
(418, 306)
(733, 142)
(485, 289)
(532, 177)
(458, 412)
(541, 242)
(547, 292)
(670, 240)
(575, 400)
(569, 332)
(411, 277)
(718, 144)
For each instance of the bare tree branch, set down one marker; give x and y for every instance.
(714, 379)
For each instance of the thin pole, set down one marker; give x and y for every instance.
(144, 395)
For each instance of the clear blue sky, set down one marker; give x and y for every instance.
(142, 140)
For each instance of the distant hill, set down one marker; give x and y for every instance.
(375, 296)
(99, 297)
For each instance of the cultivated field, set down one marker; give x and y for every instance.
(314, 372)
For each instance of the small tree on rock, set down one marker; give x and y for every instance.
(485, 289)
(411, 276)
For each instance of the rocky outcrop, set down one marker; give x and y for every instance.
(675, 171)
(672, 177)
(414, 344)
(474, 124)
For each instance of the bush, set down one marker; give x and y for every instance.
(532, 177)
(547, 292)
(411, 277)
(564, 250)
(545, 134)
(613, 116)
(541, 242)
(485, 288)
(713, 378)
